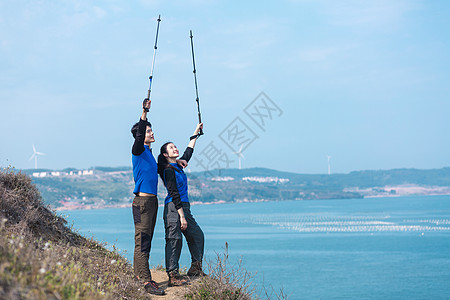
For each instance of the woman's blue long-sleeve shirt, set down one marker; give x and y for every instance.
(175, 181)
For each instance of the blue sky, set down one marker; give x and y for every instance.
(366, 82)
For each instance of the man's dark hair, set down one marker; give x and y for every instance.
(134, 129)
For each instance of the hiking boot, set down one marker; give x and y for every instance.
(196, 270)
(176, 279)
(152, 288)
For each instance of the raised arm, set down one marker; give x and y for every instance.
(195, 136)
(138, 145)
(190, 148)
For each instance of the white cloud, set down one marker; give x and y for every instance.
(235, 65)
(246, 43)
(312, 55)
(322, 53)
(99, 12)
(380, 13)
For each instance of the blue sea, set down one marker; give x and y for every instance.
(375, 248)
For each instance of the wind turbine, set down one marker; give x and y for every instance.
(35, 155)
(329, 165)
(240, 155)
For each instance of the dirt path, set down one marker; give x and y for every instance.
(172, 293)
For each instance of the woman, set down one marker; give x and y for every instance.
(178, 219)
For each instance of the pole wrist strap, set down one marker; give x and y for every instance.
(195, 136)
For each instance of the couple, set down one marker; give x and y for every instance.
(178, 219)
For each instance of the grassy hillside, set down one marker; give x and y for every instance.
(41, 258)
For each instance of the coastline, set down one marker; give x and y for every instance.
(124, 205)
(385, 192)
(401, 191)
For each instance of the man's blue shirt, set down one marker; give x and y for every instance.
(145, 172)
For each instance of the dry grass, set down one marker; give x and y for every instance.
(228, 281)
(224, 281)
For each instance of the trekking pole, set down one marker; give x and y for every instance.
(195, 79)
(153, 62)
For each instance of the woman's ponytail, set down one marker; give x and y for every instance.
(163, 163)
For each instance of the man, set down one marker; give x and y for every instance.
(145, 203)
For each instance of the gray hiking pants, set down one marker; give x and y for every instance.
(193, 234)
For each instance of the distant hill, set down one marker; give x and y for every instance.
(368, 178)
(108, 186)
